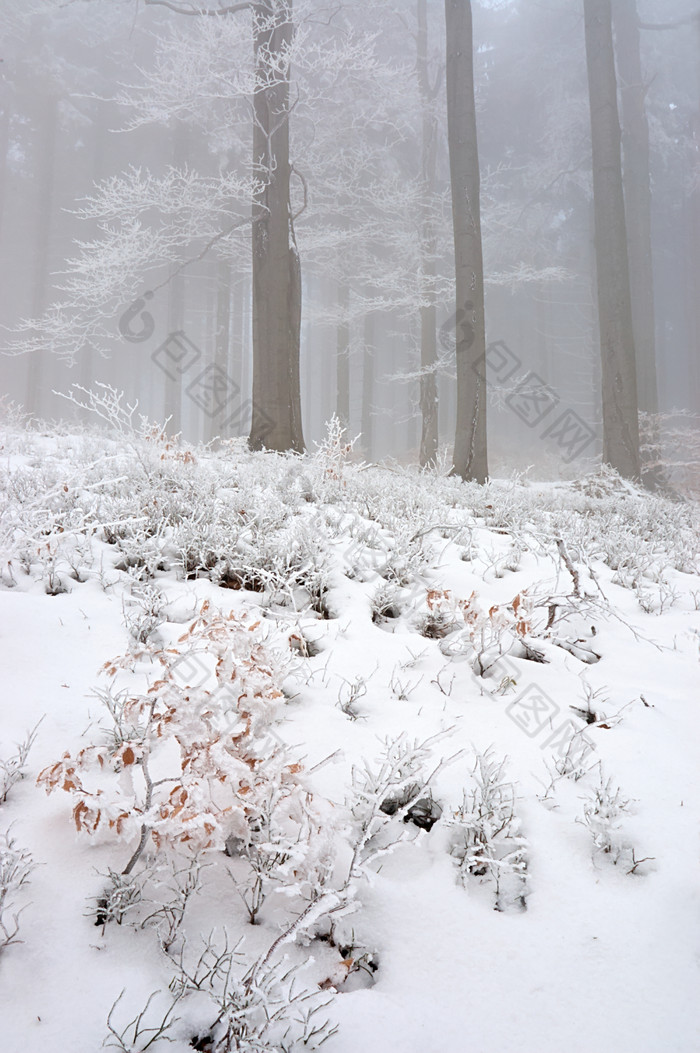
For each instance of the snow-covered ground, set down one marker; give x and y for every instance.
(395, 638)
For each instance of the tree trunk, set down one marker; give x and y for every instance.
(368, 387)
(276, 414)
(4, 145)
(173, 381)
(246, 337)
(343, 357)
(470, 454)
(619, 383)
(46, 137)
(428, 319)
(693, 396)
(222, 331)
(88, 357)
(637, 190)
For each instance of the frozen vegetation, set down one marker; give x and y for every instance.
(302, 752)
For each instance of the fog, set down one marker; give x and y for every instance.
(131, 169)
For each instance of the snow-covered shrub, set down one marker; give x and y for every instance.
(386, 602)
(210, 533)
(186, 767)
(330, 460)
(486, 833)
(655, 599)
(349, 694)
(365, 557)
(382, 795)
(447, 614)
(14, 767)
(406, 554)
(78, 554)
(603, 813)
(572, 753)
(122, 894)
(147, 1028)
(143, 612)
(289, 849)
(16, 864)
(593, 699)
(483, 637)
(180, 884)
(143, 551)
(604, 482)
(289, 564)
(268, 1007)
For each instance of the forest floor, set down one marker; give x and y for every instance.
(441, 741)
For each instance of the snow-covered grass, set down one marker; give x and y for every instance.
(342, 755)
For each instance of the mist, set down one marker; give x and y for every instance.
(132, 192)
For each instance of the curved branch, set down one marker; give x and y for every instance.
(305, 187)
(200, 255)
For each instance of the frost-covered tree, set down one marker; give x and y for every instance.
(470, 457)
(620, 411)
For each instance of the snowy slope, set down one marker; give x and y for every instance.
(396, 608)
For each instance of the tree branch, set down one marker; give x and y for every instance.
(305, 187)
(200, 255)
(232, 9)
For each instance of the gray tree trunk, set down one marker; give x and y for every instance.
(470, 451)
(428, 314)
(46, 137)
(177, 294)
(693, 400)
(276, 414)
(619, 381)
(368, 387)
(637, 189)
(4, 145)
(222, 332)
(98, 131)
(343, 357)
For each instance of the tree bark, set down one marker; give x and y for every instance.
(177, 295)
(46, 138)
(428, 314)
(637, 190)
(98, 135)
(368, 387)
(619, 382)
(343, 357)
(222, 333)
(4, 145)
(276, 413)
(470, 451)
(693, 400)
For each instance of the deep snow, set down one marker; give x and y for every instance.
(601, 959)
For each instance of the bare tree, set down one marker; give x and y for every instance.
(276, 413)
(343, 356)
(470, 452)
(428, 314)
(276, 421)
(368, 384)
(619, 379)
(637, 188)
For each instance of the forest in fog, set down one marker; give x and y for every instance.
(245, 216)
(349, 534)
